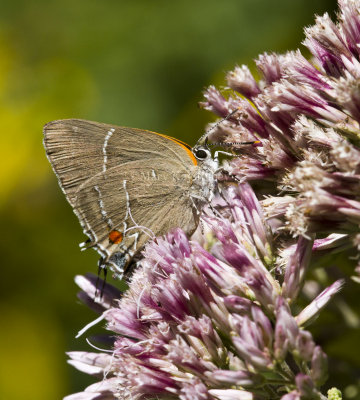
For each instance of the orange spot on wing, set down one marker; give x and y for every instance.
(115, 237)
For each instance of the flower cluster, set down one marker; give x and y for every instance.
(306, 116)
(218, 317)
(211, 323)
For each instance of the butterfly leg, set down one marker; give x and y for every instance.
(192, 197)
(216, 155)
(104, 281)
(102, 268)
(215, 211)
(225, 172)
(202, 228)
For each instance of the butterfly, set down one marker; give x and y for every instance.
(128, 185)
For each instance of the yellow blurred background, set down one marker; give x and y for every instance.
(140, 63)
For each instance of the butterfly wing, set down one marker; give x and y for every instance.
(79, 149)
(122, 208)
(124, 184)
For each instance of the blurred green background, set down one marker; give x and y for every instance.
(140, 63)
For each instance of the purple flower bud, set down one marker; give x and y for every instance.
(215, 102)
(250, 344)
(299, 69)
(319, 367)
(239, 378)
(320, 211)
(277, 206)
(306, 387)
(312, 134)
(90, 363)
(326, 44)
(281, 343)
(238, 304)
(185, 357)
(304, 346)
(293, 395)
(170, 296)
(313, 309)
(249, 169)
(249, 118)
(333, 241)
(296, 268)
(231, 394)
(194, 390)
(209, 343)
(243, 82)
(104, 390)
(263, 323)
(271, 67)
(148, 380)
(125, 321)
(287, 100)
(256, 276)
(350, 24)
(346, 157)
(286, 329)
(346, 92)
(256, 224)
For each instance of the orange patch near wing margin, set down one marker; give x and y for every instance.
(115, 237)
(184, 145)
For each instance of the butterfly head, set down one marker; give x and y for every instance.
(204, 157)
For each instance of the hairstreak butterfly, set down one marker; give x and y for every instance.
(128, 185)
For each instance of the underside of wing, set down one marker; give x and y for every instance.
(78, 150)
(122, 208)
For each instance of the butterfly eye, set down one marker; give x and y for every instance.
(201, 154)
